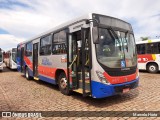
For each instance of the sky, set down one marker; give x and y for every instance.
(24, 19)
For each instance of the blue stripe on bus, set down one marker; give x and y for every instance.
(100, 90)
(30, 72)
(48, 80)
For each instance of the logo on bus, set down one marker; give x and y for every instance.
(45, 61)
(123, 64)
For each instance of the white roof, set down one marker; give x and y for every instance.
(71, 22)
(148, 41)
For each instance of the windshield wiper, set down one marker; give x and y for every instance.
(126, 39)
(114, 35)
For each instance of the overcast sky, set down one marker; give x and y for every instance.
(23, 19)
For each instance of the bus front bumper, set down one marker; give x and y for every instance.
(100, 90)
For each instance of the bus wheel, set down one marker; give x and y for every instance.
(62, 83)
(152, 68)
(28, 77)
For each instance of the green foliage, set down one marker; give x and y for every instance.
(144, 38)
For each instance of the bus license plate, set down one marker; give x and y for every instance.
(126, 90)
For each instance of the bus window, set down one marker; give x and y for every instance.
(1, 59)
(152, 48)
(45, 46)
(158, 48)
(59, 43)
(141, 48)
(28, 51)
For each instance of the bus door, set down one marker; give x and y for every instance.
(22, 59)
(86, 61)
(35, 60)
(79, 59)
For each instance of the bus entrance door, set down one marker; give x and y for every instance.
(79, 75)
(35, 61)
(86, 62)
(72, 62)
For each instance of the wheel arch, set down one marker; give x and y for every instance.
(58, 72)
(152, 62)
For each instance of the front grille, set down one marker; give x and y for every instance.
(119, 89)
(121, 73)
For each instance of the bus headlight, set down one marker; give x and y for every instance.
(102, 77)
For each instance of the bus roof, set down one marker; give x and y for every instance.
(148, 41)
(64, 25)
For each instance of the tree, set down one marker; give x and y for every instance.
(144, 38)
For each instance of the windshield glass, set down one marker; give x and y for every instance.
(14, 54)
(1, 57)
(116, 49)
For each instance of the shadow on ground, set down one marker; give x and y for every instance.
(103, 102)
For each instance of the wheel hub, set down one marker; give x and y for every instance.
(63, 83)
(152, 68)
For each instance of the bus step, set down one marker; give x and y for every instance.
(80, 90)
(35, 78)
(86, 81)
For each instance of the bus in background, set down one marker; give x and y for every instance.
(149, 55)
(1, 59)
(10, 58)
(94, 55)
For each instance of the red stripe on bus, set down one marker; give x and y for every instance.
(43, 70)
(145, 58)
(120, 79)
(28, 62)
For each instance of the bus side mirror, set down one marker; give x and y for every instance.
(95, 35)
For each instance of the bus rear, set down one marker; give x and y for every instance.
(114, 57)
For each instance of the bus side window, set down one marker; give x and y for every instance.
(158, 47)
(141, 49)
(152, 48)
(45, 45)
(138, 51)
(28, 51)
(59, 43)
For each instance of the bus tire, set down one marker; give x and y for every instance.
(152, 68)
(28, 77)
(62, 83)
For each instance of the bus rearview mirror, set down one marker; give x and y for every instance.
(95, 35)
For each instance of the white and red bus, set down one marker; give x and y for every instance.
(149, 55)
(10, 58)
(1, 59)
(94, 55)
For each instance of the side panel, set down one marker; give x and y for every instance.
(49, 64)
(146, 58)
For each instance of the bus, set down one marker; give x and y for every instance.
(149, 55)
(1, 59)
(10, 58)
(94, 55)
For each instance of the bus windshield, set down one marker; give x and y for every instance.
(14, 54)
(1, 57)
(115, 47)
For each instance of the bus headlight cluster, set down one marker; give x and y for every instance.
(102, 77)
